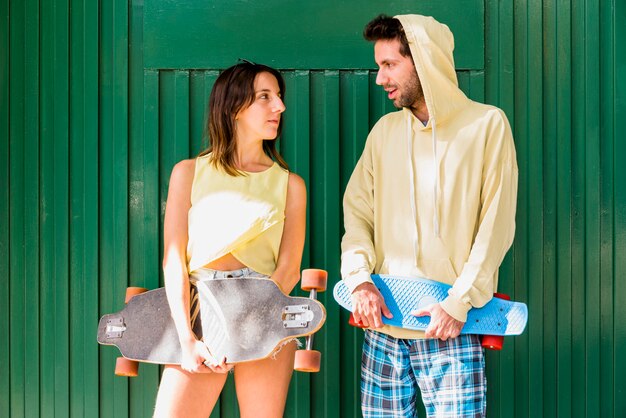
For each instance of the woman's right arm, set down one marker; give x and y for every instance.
(175, 237)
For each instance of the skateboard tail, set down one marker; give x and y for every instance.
(110, 329)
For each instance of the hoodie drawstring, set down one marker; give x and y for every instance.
(409, 142)
(436, 184)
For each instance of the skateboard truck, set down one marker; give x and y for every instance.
(297, 316)
(309, 360)
(115, 328)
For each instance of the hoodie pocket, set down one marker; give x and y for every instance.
(439, 269)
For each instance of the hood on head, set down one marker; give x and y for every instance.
(431, 44)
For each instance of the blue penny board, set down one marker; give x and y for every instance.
(405, 294)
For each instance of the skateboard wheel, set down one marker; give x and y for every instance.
(133, 291)
(307, 361)
(126, 367)
(354, 323)
(495, 342)
(314, 279)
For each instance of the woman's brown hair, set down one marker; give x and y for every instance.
(233, 92)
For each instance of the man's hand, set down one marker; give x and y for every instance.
(442, 325)
(368, 304)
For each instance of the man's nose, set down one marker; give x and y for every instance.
(381, 78)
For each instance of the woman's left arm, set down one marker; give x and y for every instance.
(287, 272)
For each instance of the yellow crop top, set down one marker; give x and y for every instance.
(241, 215)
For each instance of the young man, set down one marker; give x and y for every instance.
(433, 195)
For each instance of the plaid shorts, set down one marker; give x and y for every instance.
(449, 374)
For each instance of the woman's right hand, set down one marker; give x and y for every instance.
(198, 359)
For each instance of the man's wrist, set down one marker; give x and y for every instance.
(355, 280)
(455, 308)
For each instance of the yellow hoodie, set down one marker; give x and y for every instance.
(435, 201)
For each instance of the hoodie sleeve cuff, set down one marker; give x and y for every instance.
(456, 308)
(356, 279)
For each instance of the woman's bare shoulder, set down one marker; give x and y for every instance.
(296, 188)
(184, 168)
(182, 173)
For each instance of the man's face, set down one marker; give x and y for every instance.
(397, 75)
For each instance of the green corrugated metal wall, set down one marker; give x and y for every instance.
(89, 133)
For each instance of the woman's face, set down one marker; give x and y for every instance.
(261, 119)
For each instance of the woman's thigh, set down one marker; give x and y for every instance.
(185, 394)
(262, 385)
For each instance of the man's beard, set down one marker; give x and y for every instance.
(411, 94)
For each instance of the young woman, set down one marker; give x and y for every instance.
(234, 211)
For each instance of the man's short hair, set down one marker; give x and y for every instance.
(387, 28)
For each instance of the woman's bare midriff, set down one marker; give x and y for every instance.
(226, 263)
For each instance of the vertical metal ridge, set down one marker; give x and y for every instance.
(619, 227)
(59, 263)
(522, 239)
(47, 282)
(295, 141)
(294, 144)
(578, 209)
(592, 207)
(355, 90)
(151, 220)
(606, 210)
(5, 205)
(143, 197)
(114, 177)
(16, 213)
(550, 155)
(536, 216)
(324, 209)
(183, 130)
(77, 167)
(91, 199)
(563, 139)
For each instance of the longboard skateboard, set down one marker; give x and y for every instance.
(242, 319)
(402, 295)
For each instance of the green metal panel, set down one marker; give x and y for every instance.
(113, 148)
(84, 52)
(5, 196)
(618, 32)
(323, 34)
(98, 100)
(16, 210)
(565, 110)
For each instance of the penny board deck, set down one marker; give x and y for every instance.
(403, 295)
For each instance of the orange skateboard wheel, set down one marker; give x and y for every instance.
(495, 342)
(126, 367)
(134, 291)
(307, 361)
(354, 323)
(314, 279)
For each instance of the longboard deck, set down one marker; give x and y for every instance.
(240, 319)
(403, 295)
